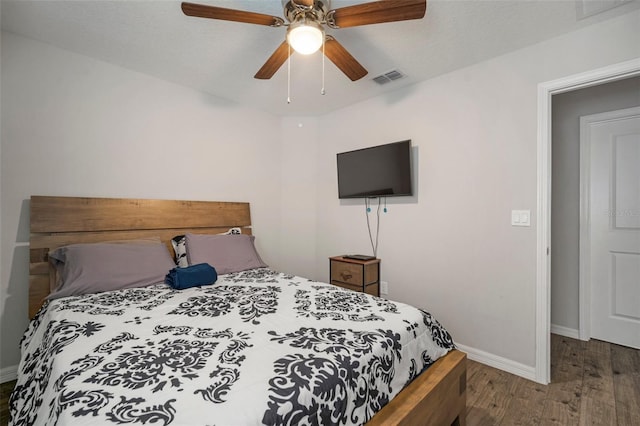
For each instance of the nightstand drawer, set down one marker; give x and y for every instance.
(346, 272)
(345, 285)
(373, 289)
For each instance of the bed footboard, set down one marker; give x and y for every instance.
(437, 397)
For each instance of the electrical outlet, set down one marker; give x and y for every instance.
(384, 287)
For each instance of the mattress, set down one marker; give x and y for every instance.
(259, 347)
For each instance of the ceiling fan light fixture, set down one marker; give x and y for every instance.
(305, 36)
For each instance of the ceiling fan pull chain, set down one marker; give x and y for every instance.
(322, 92)
(289, 77)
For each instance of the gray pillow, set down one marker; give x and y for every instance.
(180, 249)
(226, 253)
(97, 267)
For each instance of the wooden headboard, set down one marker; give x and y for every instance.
(59, 221)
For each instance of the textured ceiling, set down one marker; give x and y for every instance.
(220, 58)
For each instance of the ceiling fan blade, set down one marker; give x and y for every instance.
(343, 59)
(378, 12)
(274, 62)
(214, 12)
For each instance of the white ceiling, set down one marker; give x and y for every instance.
(220, 58)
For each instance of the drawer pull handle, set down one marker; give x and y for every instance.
(345, 276)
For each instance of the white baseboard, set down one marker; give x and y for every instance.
(8, 374)
(565, 331)
(504, 364)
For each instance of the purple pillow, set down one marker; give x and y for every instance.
(226, 253)
(97, 267)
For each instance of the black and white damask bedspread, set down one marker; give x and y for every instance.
(258, 347)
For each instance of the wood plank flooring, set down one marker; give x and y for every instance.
(5, 391)
(592, 383)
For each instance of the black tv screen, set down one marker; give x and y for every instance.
(378, 171)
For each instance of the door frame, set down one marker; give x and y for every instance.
(543, 230)
(584, 328)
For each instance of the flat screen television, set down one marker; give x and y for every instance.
(377, 171)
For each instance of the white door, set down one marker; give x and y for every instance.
(610, 153)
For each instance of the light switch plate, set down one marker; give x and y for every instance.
(520, 217)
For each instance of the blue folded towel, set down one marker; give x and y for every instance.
(191, 276)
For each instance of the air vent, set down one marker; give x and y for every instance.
(388, 77)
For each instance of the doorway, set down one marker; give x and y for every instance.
(570, 287)
(546, 92)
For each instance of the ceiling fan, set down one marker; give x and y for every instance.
(306, 21)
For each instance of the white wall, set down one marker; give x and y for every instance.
(451, 248)
(567, 108)
(298, 239)
(75, 126)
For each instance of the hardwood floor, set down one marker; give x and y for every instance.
(5, 391)
(592, 383)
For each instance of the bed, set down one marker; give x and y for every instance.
(257, 347)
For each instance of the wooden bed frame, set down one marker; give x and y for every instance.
(436, 397)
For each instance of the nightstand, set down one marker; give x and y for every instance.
(358, 275)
